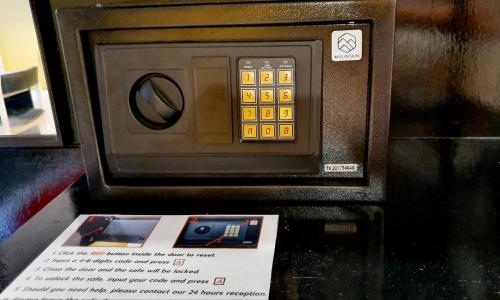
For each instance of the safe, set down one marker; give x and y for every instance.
(247, 100)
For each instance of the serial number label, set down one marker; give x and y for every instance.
(341, 168)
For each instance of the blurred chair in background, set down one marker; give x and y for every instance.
(19, 114)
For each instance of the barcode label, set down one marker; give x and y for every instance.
(340, 168)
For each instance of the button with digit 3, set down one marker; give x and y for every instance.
(285, 77)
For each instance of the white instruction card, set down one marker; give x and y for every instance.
(154, 257)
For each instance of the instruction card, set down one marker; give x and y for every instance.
(154, 257)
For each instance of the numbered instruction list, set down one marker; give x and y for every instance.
(154, 257)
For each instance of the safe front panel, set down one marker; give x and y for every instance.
(208, 138)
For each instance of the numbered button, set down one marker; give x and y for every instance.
(248, 96)
(285, 76)
(249, 131)
(285, 113)
(268, 131)
(286, 131)
(285, 95)
(249, 113)
(267, 95)
(267, 113)
(248, 77)
(266, 77)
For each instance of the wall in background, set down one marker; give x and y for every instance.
(18, 42)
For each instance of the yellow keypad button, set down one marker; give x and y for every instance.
(267, 113)
(248, 96)
(286, 113)
(286, 131)
(285, 95)
(249, 113)
(266, 77)
(267, 95)
(248, 77)
(249, 131)
(267, 131)
(285, 77)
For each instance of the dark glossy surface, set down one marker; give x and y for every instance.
(440, 241)
(446, 74)
(442, 224)
(29, 179)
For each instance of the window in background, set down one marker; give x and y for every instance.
(25, 106)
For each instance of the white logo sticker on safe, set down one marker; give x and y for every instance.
(340, 168)
(347, 45)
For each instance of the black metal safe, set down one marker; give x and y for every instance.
(250, 100)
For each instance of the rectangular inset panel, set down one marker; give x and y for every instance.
(209, 140)
(212, 100)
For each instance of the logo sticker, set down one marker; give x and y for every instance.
(347, 45)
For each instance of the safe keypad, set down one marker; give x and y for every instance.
(267, 99)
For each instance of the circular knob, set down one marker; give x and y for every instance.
(202, 230)
(156, 101)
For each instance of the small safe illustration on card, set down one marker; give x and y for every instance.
(220, 232)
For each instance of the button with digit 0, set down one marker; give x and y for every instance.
(268, 131)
